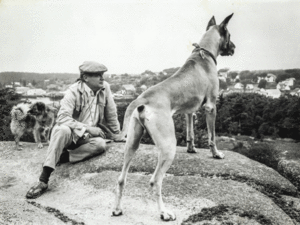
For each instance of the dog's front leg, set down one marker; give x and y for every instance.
(190, 133)
(17, 140)
(37, 138)
(210, 110)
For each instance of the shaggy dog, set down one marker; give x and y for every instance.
(37, 118)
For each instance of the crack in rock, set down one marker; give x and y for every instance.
(224, 214)
(56, 213)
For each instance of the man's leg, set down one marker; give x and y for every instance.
(61, 137)
(86, 149)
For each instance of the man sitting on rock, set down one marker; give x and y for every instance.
(86, 104)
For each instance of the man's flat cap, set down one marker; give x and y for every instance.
(92, 67)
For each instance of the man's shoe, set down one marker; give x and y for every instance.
(37, 190)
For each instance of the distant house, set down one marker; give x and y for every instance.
(144, 87)
(295, 92)
(53, 87)
(128, 89)
(236, 78)
(238, 86)
(270, 77)
(273, 93)
(8, 86)
(17, 84)
(22, 90)
(249, 87)
(290, 82)
(286, 84)
(36, 92)
(222, 78)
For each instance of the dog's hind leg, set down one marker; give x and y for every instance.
(190, 133)
(161, 129)
(210, 110)
(135, 133)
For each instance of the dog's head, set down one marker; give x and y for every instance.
(226, 46)
(37, 109)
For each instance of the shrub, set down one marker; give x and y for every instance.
(8, 98)
(260, 152)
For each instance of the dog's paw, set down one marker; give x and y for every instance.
(219, 155)
(40, 145)
(19, 148)
(167, 215)
(117, 212)
(191, 150)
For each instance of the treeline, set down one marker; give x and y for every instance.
(9, 77)
(254, 74)
(246, 114)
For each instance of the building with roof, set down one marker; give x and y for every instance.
(128, 89)
(238, 86)
(36, 92)
(270, 78)
(273, 93)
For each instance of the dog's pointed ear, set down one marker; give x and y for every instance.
(211, 23)
(223, 25)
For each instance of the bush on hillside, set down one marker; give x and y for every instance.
(260, 152)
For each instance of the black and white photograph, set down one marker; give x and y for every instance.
(150, 112)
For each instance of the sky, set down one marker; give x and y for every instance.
(131, 36)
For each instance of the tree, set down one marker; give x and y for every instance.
(232, 74)
(262, 83)
(33, 82)
(246, 74)
(222, 85)
(282, 77)
(245, 82)
(115, 87)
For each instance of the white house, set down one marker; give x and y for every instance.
(290, 81)
(17, 84)
(37, 91)
(237, 78)
(128, 89)
(238, 86)
(22, 90)
(144, 87)
(273, 93)
(286, 84)
(270, 78)
(295, 92)
(249, 87)
(222, 78)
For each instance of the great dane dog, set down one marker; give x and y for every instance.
(194, 85)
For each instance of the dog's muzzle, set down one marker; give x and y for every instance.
(227, 49)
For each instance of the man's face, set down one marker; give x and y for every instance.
(94, 81)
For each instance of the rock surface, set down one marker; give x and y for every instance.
(235, 190)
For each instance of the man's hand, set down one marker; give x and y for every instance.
(95, 131)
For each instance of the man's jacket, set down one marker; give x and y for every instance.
(73, 102)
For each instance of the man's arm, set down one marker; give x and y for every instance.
(110, 111)
(65, 113)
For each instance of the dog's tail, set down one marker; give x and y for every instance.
(139, 102)
(19, 112)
